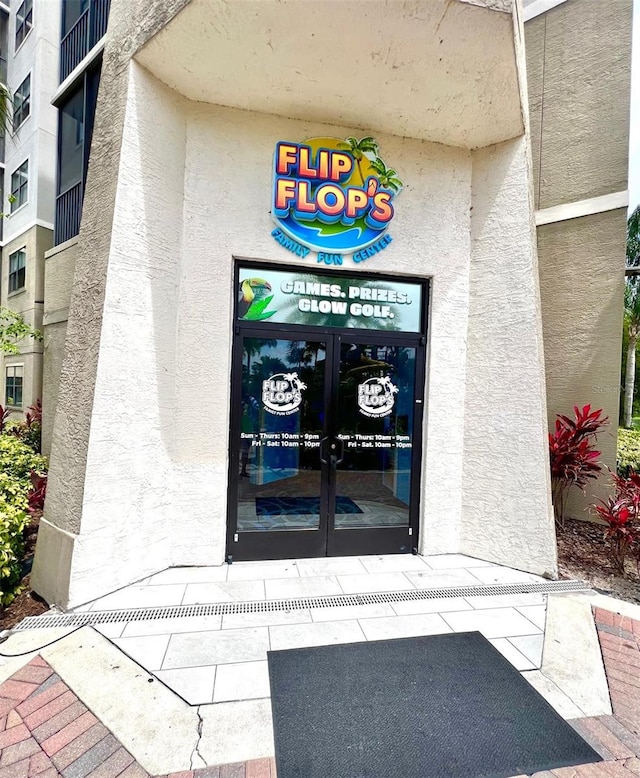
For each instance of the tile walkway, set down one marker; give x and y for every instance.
(46, 731)
(220, 659)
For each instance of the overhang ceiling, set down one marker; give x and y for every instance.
(438, 70)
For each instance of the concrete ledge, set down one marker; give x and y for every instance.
(159, 730)
(157, 727)
(571, 657)
(52, 563)
(61, 247)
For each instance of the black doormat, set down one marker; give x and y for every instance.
(294, 506)
(445, 706)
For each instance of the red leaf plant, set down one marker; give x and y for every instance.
(4, 415)
(572, 455)
(621, 512)
(37, 493)
(34, 414)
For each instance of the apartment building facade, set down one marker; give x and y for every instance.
(181, 241)
(30, 48)
(82, 30)
(50, 62)
(579, 81)
(178, 243)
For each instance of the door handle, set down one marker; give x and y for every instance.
(334, 458)
(321, 450)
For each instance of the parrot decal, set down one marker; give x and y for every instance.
(253, 297)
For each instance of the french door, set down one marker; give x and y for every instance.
(325, 442)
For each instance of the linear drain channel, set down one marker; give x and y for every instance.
(296, 603)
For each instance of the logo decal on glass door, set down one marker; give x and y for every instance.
(376, 397)
(282, 393)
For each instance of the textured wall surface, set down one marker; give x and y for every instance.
(578, 72)
(443, 70)
(125, 492)
(175, 190)
(54, 338)
(507, 513)
(129, 27)
(534, 49)
(581, 283)
(59, 267)
(583, 94)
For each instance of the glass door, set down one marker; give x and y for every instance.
(280, 424)
(376, 410)
(324, 444)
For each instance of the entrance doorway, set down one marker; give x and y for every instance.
(325, 440)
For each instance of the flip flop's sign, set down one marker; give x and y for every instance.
(334, 197)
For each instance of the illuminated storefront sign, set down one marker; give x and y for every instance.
(287, 297)
(333, 197)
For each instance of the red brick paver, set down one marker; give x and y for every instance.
(46, 731)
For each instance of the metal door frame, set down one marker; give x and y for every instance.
(291, 544)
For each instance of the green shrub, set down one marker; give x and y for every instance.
(17, 460)
(628, 455)
(31, 433)
(13, 520)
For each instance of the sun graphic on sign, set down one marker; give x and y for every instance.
(333, 194)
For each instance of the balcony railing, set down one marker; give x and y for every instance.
(68, 214)
(83, 36)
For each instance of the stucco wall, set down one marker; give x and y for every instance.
(581, 280)
(579, 60)
(129, 27)
(172, 457)
(139, 483)
(578, 73)
(54, 338)
(506, 504)
(59, 267)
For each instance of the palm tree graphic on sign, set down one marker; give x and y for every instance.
(358, 150)
(389, 387)
(387, 176)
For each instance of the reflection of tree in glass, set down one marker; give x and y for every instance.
(304, 352)
(252, 347)
(295, 316)
(361, 362)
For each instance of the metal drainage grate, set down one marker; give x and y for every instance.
(296, 603)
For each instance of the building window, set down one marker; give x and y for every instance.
(75, 127)
(84, 23)
(19, 185)
(24, 21)
(22, 103)
(72, 11)
(13, 386)
(71, 140)
(17, 262)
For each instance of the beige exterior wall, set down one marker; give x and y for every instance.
(581, 279)
(178, 178)
(27, 301)
(59, 266)
(579, 59)
(578, 71)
